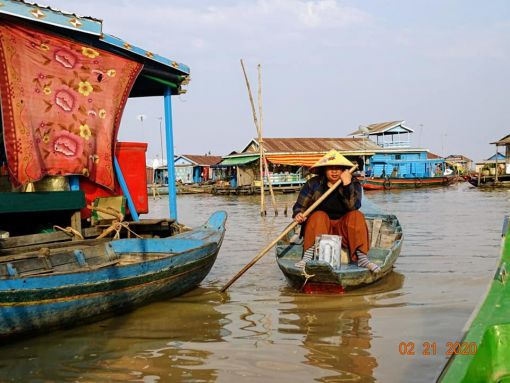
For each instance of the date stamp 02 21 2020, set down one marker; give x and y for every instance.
(433, 348)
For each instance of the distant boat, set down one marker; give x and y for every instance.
(389, 183)
(319, 276)
(480, 355)
(408, 173)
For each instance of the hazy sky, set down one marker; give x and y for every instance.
(328, 66)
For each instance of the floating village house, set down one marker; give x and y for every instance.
(494, 171)
(289, 158)
(504, 165)
(500, 161)
(190, 168)
(489, 165)
(394, 155)
(460, 162)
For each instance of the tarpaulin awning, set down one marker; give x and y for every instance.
(61, 105)
(240, 160)
(296, 159)
(306, 159)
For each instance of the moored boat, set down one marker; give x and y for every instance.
(57, 285)
(389, 183)
(319, 276)
(481, 353)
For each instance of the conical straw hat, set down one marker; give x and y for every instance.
(332, 158)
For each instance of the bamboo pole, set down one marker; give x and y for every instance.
(273, 199)
(291, 226)
(263, 156)
(259, 137)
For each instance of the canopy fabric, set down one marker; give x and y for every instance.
(241, 160)
(61, 105)
(296, 159)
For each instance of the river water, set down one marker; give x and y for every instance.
(263, 331)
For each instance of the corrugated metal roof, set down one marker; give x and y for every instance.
(503, 141)
(458, 157)
(379, 128)
(316, 145)
(432, 156)
(238, 160)
(202, 160)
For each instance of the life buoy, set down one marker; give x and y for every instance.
(387, 184)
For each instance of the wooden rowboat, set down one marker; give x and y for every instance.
(58, 284)
(319, 276)
(482, 353)
(380, 183)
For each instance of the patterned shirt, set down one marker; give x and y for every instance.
(349, 197)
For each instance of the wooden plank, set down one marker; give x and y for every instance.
(375, 231)
(370, 223)
(152, 221)
(76, 223)
(24, 240)
(387, 239)
(38, 250)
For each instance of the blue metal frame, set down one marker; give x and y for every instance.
(125, 190)
(172, 191)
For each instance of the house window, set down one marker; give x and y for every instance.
(397, 156)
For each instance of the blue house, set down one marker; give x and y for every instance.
(395, 157)
(190, 168)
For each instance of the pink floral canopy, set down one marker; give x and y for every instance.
(61, 105)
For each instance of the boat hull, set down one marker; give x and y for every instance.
(325, 278)
(484, 348)
(377, 183)
(141, 271)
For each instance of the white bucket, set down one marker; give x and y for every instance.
(328, 248)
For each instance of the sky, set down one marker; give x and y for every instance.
(442, 66)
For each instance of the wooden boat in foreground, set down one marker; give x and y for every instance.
(319, 276)
(482, 353)
(58, 284)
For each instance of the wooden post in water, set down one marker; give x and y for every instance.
(263, 155)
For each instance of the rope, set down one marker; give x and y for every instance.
(69, 231)
(117, 227)
(307, 277)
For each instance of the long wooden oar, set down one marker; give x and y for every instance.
(291, 226)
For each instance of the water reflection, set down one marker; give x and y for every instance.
(336, 330)
(161, 341)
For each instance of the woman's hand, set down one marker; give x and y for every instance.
(346, 177)
(300, 218)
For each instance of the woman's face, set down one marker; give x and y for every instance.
(333, 173)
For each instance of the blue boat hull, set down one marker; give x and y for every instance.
(136, 271)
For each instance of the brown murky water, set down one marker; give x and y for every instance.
(262, 331)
